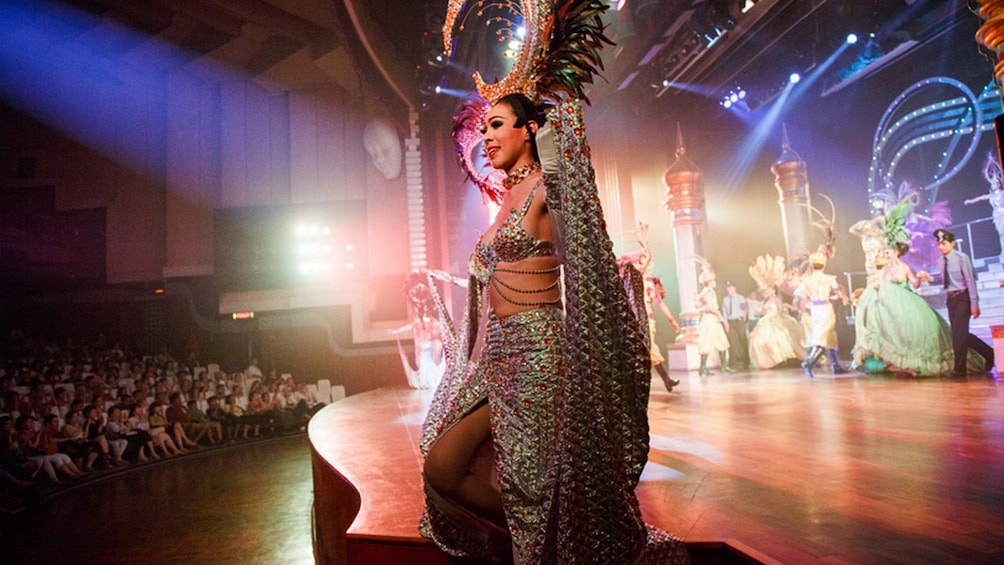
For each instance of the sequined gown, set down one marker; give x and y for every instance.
(567, 390)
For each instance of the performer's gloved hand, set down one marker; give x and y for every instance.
(546, 149)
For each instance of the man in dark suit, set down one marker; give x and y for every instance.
(963, 302)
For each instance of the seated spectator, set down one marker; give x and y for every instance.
(218, 415)
(258, 413)
(236, 412)
(282, 416)
(53, 440)
(61, 402)
(139, 443)
(200, 420)
(139, 419)
(47, 456)
(16, 468)
(94, 430)
(177, 413)
(307, 401)
(77, 446)
(158, 417)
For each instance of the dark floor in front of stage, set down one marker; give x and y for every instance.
(248, 503)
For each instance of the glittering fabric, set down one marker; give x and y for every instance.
(523, 361)
(568, 403)
(511, 243)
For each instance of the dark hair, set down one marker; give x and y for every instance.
(901, 248)
(526, 111)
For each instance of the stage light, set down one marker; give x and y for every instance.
(727, 103)
(437, 60)
(852, 38)
(794, 78)
(734, 97)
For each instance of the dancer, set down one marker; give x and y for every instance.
(429, 360)
(818, 289)
(992, 172)
(963, 302)
(551, 365)
(897, 327)
(870, 232)
(711, 335)
(655, 296)
(777, 337)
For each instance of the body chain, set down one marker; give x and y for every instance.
(496, 282)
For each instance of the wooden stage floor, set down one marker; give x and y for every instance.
(838, 469)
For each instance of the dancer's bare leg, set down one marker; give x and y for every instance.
(447, 467)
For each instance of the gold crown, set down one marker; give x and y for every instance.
(521, 78)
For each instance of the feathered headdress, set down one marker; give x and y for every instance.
(828, 248)
(559, 52)
(992, 172)
(895, 230)
(467, 138)
(707, 271)
(768, 271)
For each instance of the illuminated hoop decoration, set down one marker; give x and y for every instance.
(522, 77)
(945, 120)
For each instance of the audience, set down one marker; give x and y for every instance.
(69, 410)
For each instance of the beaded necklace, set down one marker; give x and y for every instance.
(520, 174)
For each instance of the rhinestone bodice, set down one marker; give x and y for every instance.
(511, 243)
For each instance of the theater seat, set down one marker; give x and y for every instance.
(324, 391)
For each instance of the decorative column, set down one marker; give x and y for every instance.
(991, 34)
(414, 192)
(685, 202)
(792, 185)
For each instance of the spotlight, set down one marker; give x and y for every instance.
(437, 60)
(727, 103)
(794, 78)
(742, 94)
(734, 97)
(852, 38)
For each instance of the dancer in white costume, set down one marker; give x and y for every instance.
(995, 197)
(777, 337)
